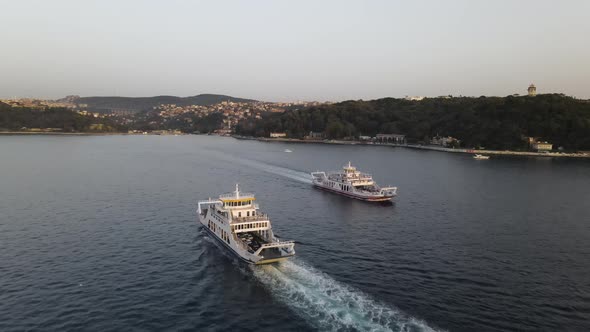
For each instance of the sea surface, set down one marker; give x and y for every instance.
(100, 233)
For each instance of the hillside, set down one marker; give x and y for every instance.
(56, 119)
(136, 104)
(491, 122)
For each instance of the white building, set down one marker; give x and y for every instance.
(532, 90)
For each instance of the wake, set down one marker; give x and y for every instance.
(292, 174)
(329, 305)
(278, 170)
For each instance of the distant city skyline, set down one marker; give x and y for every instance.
(298, 50)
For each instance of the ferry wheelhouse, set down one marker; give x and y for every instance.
(236, 221)
(352, 183)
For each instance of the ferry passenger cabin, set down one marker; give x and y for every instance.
(244, 215)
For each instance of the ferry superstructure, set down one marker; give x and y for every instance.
(236, 221)
(352, 183)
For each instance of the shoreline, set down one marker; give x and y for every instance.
(337, 142)
(424, 147)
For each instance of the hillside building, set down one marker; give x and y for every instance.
(532, 90)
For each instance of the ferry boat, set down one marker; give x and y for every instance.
(481, 157)
(352, 183)
(236, 221)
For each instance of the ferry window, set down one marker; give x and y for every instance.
(247, 213)
(239, 214)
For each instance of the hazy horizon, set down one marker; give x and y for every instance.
(288, 51)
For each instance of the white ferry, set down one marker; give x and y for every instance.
(235, 220)
(352, 183)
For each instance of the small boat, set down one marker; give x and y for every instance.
(236, 222)
(287, 150)
(480, 157)
(352, 183)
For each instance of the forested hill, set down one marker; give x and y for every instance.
(57, 119)
(490, 122)
(105, 104)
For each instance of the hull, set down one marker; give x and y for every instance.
(230, 249)
(380, 198)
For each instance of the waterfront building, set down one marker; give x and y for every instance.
(314, 135)
(445, 141)
(278, 135)
(542, 146)
(391, 138)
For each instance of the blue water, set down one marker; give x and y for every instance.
(100, 233)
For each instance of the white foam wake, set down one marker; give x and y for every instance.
(278, 170)
(329, 305)
(292, 174)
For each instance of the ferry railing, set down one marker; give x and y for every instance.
(257, 217)
(233, 195)
(208, 202)
(282, 244)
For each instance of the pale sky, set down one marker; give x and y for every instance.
(293, 50)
